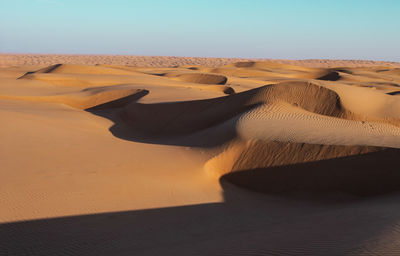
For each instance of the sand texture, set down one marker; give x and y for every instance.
(125, 155)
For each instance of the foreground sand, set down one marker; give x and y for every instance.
(119, 155)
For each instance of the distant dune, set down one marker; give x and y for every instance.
(136, 155)
(166, 61)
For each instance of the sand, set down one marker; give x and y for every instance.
(125, 155)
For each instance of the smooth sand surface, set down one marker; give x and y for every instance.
(125, 155)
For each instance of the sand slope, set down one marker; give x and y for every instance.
(124, 155)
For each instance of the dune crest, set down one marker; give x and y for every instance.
(288, 168)
(133, 155)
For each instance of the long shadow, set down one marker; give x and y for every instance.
(393, 93)
(246, 223)
(203, 123)
(230, 228)
(208, 137)
(331, 76)
(363, 175)
(199, 123)
(119, 103)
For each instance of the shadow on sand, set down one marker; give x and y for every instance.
(364, 175)
(205, 123)
(246, 224)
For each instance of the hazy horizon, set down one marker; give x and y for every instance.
(233, 29)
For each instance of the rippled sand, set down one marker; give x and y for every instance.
(127, 155)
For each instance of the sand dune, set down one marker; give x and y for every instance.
(200, 78)
(87, 76)
(82, 69)
(312, 170)
(125, 155)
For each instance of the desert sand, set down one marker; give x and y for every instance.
(125, 155)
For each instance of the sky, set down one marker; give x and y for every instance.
(283, 29)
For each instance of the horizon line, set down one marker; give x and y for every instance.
(204, 57)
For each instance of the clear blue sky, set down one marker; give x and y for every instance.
(291, 29)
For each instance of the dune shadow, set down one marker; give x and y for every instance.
(393, 93)
(48, 69)
(347, 71)
(205, 122)
(198, 123)
(230, 228)
(363, 175)
(118, 103)
(246, 223)
(208, 137)
(331, 76)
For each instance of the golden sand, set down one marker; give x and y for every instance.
(125, 155)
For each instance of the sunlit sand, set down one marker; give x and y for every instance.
(125, 155)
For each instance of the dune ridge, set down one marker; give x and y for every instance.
(303, 169)
(302, 97)
(81, 69)
(109, 155)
